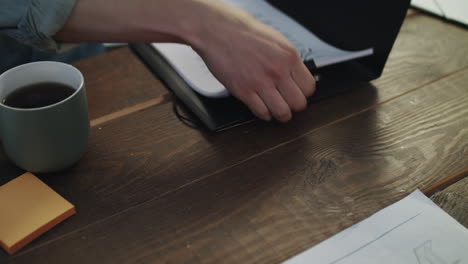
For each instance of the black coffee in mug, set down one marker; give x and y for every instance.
(38, 95)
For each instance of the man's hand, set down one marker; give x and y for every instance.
(257, 64)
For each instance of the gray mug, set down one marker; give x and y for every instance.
(49, 138)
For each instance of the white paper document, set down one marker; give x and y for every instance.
(413, 230)
(456, 10)
(195, 72)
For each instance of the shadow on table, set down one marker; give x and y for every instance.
(8, 171)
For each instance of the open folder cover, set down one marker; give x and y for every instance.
(186, 74)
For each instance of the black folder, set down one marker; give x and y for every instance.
(349, 25)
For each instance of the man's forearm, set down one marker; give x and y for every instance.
(256, 63)
(134, 21)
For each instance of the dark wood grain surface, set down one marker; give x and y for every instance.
(117, 80)
(331, 177)
(454, 200)
(151, 190)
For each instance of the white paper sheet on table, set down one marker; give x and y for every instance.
(195, 72)
(456, 10)
(413, 230)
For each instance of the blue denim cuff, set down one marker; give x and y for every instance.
(42, 20)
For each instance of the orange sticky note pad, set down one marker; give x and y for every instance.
(28, 208)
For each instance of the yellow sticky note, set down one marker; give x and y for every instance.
(28, 208)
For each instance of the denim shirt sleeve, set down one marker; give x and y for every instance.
(34, 22)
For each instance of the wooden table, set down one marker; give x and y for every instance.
(152, 190)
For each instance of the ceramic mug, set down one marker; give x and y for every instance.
(49, 138)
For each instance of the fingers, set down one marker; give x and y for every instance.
(278, 101)
(281, 99)
(291, 91)
(292, 94)
(303, 78)
(256, 105)
(275, 103)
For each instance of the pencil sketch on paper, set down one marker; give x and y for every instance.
(425, 254)
(400, 233)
